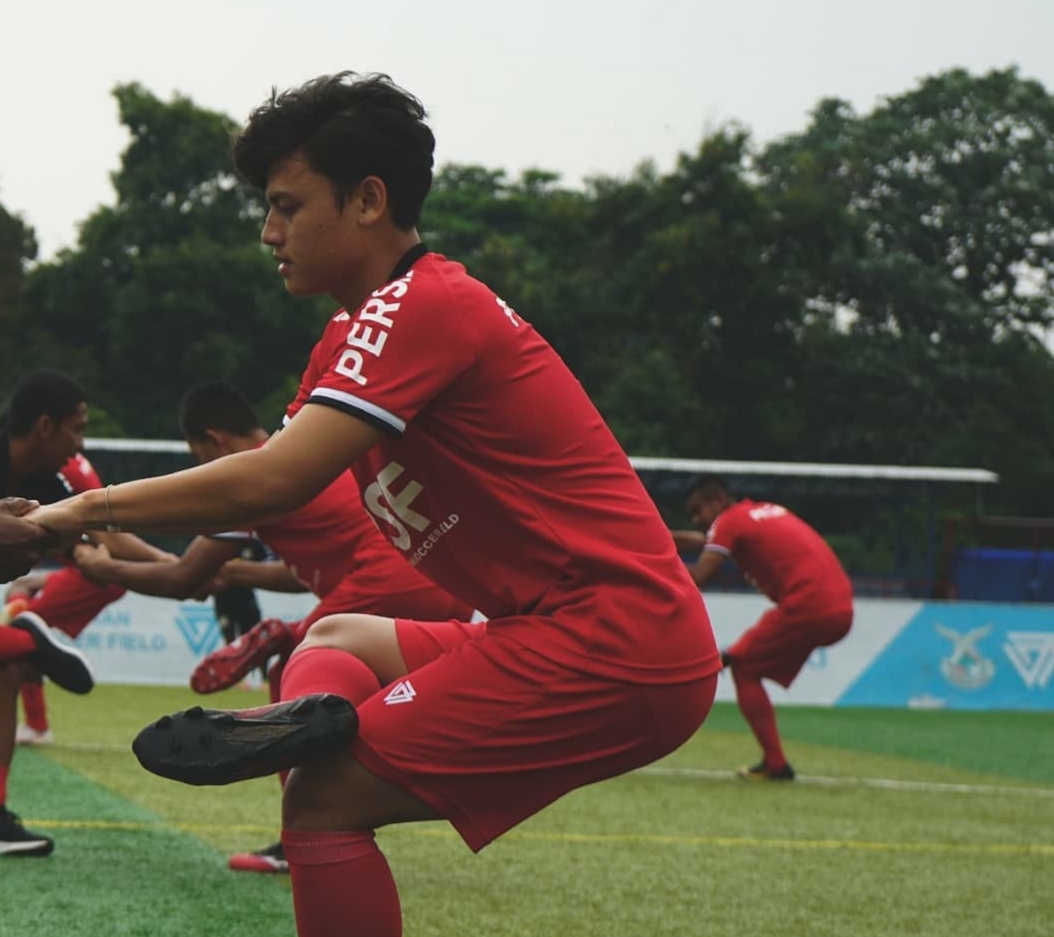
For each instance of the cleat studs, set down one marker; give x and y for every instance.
(195, 712)
(333, 704)
(163, 723)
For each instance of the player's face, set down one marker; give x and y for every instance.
(703, 510)
(61, 441)
(318, 246)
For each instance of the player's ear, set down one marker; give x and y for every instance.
(216, 438)
(45, 426)
(371, 199)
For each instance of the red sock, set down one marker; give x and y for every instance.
(328, 670)
(34, 706)
(5, 770)
(15, 643)
(757, 709)
(341, 885)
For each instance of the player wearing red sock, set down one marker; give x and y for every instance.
(480, 456)
(331, 546)
(792, 565)
(41, 435)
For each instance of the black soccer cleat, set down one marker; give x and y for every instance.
(762, 772)
(216, 746)
(16, 840)
(63, 665)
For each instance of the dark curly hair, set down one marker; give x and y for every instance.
(348, 127)
(43, 392)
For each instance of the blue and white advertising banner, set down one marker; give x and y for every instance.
(141, 639)
(932, 655)
(955, 655)
(967, 655)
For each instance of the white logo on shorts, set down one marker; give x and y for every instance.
(402, 692)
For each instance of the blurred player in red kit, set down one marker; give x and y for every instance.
(480, 456)
(331, 546)
(41, 435)
(792, 565)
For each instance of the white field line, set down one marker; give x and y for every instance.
(703, 774)
(926, 787)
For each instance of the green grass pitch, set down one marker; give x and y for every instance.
(904, 823)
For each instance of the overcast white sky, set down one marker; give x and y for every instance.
(573, 86)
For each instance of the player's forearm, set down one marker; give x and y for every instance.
(165, 579)
(688, 540)
(271, 575)
(705, 568)
(130, 547)
(231, 492)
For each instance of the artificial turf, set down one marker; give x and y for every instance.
(682, 849)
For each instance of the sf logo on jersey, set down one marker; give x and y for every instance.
(395, 507)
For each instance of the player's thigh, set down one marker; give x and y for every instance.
(389, 647)
(491, 731)
(773, 634)
(70, 602)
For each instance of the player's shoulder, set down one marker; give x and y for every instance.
(762, 510)
(737, 511)
(437, 280)
(80, 473)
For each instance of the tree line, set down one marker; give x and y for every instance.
(876, 288)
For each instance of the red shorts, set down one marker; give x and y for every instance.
(427, 604)
(778, 646)
(70, 602)
(488, 731)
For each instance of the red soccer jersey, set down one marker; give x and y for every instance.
(780, 553)
(80, 475)
(501, 482)
(332, 537)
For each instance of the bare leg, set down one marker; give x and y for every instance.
(370, 638)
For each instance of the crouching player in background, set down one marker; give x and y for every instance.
(791, 564)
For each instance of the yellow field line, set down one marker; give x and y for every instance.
(654, 839)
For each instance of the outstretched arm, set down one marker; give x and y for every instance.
(183, 578)
(130, 547)
(236, 491)
(271, 575)
(705, 568)
(688, 541)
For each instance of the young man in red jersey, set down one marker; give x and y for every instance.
(791, 564)
(48, 416)
(481, 457)
(331, 546)
(41, 434)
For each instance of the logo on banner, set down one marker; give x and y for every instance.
(1032, 654)
(199, 628)
(966, 667)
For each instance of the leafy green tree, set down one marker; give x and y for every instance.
(171, 284)
(933, 273)
(25, 345)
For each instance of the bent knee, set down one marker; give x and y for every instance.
(360, 635)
